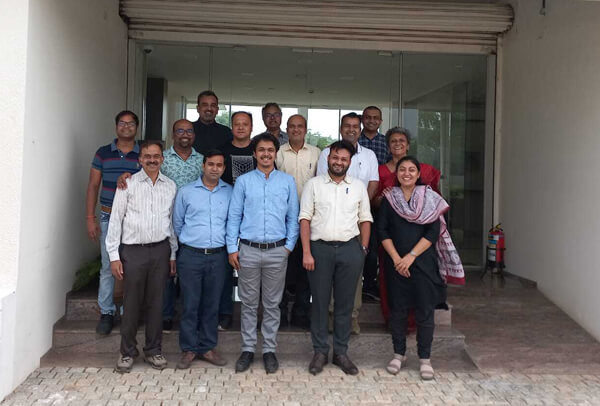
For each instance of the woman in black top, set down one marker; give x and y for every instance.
(409, 225)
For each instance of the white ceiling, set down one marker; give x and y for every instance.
(324, 78)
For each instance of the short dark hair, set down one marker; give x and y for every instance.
(266, 136)
(373, 108)
(414, 161)
(148, 143)
(397, 130)
(270, 104)
(205, 94)
(352, 115)
(241, 112)
(343, 144)
(127, 113)
(211, 153)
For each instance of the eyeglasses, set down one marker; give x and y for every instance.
(181, 131)
(126, 124)
(272, 115)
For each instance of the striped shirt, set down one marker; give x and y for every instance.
(113, 163)
(142, 214)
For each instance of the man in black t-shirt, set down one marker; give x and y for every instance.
(238, 160)
(209, 133)
(238, 152)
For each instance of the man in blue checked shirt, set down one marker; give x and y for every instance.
(263, 216)
(199, 220)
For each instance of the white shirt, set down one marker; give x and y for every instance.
(302, 165)
(334, 209)
(364, 165)
(142, 214)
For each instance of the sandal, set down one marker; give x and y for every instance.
(426, 370)
(394, 366)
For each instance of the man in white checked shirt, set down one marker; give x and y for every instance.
(141, 246)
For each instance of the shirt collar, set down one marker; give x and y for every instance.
(362, 135)
(113, 146)
(171, 151)
(200, 184)
(263, 176)
(329, 180)
(288, 147)
(144, 176)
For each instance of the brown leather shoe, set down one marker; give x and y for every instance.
(345, 364)
(213, 357)
(317, 363)
(186, 360)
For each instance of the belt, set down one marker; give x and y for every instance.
(334, 243)
(147, 245)
(205, 251)
(264, 245)
(105, 209)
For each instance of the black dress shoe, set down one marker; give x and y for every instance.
(244, 361)
(167, 325)
(345, 364)
(225, 321)
(271, 363)
(105, 324)
(317, 363)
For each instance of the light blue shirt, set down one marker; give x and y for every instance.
(263, 210)
(200, 214)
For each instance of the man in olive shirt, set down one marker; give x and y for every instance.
(299, 159)
(209, 133)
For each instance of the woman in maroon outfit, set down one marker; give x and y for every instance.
(398, 142)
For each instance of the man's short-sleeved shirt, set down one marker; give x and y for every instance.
(113, 163)
(182, 171)
(377, 145)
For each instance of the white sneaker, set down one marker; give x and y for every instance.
(124, 363)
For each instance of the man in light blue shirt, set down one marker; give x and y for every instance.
(263, 216)
(199, 221)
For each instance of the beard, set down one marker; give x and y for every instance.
(338, 172)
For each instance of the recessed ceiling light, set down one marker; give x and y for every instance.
(384, 53)
(323, 51)
(239, 49)
(302, 50)
(248, 74)
(347, 78)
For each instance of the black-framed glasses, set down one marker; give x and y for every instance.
(126, 124)
(181, 131)
(272, 115)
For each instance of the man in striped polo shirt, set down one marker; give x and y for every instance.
(110, 161)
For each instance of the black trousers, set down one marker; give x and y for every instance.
(338, 265)
(145, 273)
(404, 293)
(371, 267)
(296, 280)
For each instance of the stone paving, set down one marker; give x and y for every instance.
(294, 386)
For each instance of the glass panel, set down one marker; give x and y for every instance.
(443, 104)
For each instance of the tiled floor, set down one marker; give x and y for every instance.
(524, 351)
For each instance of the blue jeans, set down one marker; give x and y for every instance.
(107, 280)
(201, 279)
(169, 298)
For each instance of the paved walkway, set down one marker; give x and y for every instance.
(522, 350)
(294, 386)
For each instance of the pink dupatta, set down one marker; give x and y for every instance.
(425, 207)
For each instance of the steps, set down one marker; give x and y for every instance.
(75, 334)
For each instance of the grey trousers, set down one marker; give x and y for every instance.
(264, 269)
(338, 265)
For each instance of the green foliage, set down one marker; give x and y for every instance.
(316, 139)
(223, 118)
(87, 274)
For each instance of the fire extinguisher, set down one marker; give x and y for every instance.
(495, 249)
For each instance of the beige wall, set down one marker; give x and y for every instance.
(75, 83)
(550, 146)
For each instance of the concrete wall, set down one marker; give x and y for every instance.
(75, 83)
(550, 145)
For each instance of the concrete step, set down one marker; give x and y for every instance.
(79, 336)
(84, 306)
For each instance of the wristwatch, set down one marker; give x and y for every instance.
(414, 254)
(365, 249)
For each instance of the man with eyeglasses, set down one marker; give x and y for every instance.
(209, 133)
(110, 161)
(272, 118)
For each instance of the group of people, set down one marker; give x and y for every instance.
(286, 216)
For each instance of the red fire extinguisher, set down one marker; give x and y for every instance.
(495, 249)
